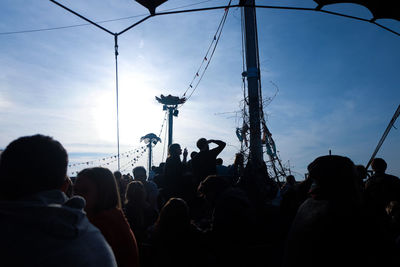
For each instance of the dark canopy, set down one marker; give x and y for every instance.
(380, 9)
(151, 5)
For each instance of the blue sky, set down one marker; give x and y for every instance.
(338, 79)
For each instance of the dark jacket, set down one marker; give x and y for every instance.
(48, 229)
(204, 163)
(173, 172)
(334, 233)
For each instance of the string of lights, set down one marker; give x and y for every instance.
(163, 123)
(135, 156)
(132, 162)
(92, 162)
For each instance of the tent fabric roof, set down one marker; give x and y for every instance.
(380, 9)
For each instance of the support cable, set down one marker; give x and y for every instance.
(82, 17)
(208, 58)
(98, 22)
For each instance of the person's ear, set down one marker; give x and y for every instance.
(67, 183)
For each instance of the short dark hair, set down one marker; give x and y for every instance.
(138, 171)
(172, 149)
(202, 142)
(31, 164)
(135, 192)
(379, 165)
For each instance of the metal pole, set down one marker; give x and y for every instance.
(150, 156)
(170, 124)
(388, 128)
(116, 91)
(251, 48)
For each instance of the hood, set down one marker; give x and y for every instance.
(50, 212)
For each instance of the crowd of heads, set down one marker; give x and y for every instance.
(237, 215)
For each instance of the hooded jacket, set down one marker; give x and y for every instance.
(48, 229)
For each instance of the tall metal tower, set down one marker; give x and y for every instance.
(170, 103)
(252, 74)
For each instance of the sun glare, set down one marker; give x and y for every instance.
(138, 112)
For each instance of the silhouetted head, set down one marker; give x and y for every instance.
(118, 175)
(239, 159)
(290, 180)
(219, 161)
(173, 216)
(378, 165)
(139, 173)
(174, 150)
(31, 164)
(160, 168)
(362, 172)
(99, 188)
(334, 177)
(135, 192)
(202, 144)
(212, 187)
(193, 154)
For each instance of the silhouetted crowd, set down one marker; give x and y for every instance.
(194, 212)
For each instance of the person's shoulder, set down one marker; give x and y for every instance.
(100, 253)
(392, 177)
(392, 181)
(151, 183)
(200, 154)
(375, 178)
(152, 186)
(199, 157)
(382, 179)
(233, 195)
